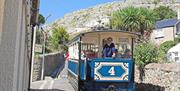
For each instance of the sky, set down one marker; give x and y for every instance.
(55, 9)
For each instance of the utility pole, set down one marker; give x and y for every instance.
(44, 48)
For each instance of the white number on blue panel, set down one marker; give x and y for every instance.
(111, 71)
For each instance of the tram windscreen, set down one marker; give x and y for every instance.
(123, 50)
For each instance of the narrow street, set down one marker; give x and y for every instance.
(49, 84)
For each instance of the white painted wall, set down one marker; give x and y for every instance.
(173, 54)
(166, 34)
(15, 44)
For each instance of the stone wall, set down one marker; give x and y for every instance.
(160, 77)
(37, 66)
(51, 63)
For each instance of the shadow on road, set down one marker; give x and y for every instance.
(45, 90)
(148, 87)
(58, 70)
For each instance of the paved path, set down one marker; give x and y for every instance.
(49, 84)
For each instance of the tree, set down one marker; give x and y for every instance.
(147, 20)
(58, 38)
(38, 37)
(164, 12)
(133, 19)
(144, 54)
(41, 19)
(156, 2)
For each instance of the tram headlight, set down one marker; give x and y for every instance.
(112, 88)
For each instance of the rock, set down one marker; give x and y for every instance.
(98, 16)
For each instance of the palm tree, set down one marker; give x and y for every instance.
(58, 38)
(125, 19)
(147, 20)
(133, 19)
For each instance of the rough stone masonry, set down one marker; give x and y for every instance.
(160, 77)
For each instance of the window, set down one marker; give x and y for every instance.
(176, 59)
(90, 50)
(178, 29)
(73, 51)
(159, 33)
(176, 54)
(124, 48)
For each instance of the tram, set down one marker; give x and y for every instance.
(88, 70)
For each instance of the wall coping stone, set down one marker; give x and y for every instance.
(175, 67)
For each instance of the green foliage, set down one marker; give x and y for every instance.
(133, 19)
(58, 38)
(38, 37)
(164, 47)
(177, 40)
(37, 54)
(164, 12)
(145, 53)
(156, 2)
(41, 19)
(167, 45)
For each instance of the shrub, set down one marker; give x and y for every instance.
(164, 47)
(145, 53)
(177, 40)
(167, 45)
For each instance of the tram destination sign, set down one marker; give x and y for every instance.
(111, 71)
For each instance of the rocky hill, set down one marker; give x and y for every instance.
(98, 16)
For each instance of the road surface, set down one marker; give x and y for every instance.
(50, 84)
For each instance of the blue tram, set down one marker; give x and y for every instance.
(89, 71)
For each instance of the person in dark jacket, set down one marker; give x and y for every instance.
(109, 48)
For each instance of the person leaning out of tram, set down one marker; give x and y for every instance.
(109, 49)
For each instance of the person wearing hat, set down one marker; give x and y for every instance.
(109, 48)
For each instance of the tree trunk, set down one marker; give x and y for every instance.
(141, 74)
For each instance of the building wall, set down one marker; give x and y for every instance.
(1, 16)
(166, 34)
(15, 32)
(178, 28)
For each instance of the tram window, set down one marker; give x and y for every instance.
(73, 51)
(123, 48)
(90, 50)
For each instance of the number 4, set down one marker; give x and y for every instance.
(111, 71)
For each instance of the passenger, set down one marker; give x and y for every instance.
(109, 48)
(67, 56)
(118, 55)
(127, 53)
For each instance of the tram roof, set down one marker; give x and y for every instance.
(135, 34)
